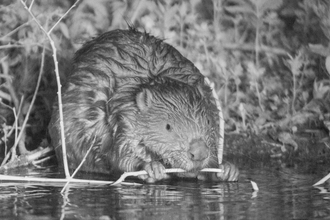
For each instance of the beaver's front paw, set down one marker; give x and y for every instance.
(155, 170)
(230, 173)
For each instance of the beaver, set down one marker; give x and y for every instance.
(142, 106)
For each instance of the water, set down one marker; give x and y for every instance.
(284, 194)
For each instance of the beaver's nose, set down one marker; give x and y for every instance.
(198, 150)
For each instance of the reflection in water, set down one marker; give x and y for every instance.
(283, 194)
(183, 201)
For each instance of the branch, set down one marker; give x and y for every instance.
(172, 170)
(81, 163)
(22, 131)
(59, 94)
(55, 180)
(323, 180)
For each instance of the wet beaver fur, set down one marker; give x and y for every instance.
(146, 106)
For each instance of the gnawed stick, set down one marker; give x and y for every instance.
(94, 182)
(172, 170)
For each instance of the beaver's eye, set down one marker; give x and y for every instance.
(168, 127)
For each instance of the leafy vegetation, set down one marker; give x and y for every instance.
(269, 59)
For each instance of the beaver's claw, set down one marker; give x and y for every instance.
(155, 170)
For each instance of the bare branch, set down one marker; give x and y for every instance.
(59, 94)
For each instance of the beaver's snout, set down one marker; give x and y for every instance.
(198, 150)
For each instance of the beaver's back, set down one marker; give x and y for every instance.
(99, 94)
(123, 54)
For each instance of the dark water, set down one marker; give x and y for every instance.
(283, 194)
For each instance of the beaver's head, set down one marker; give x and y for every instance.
(178, 124)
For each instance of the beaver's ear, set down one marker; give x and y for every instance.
(143, 100)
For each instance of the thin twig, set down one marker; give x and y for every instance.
(36, 162)
(39, 154)
(17, 138)
(59, 93)
(322, 180)
(15, 127)
(15, 30)
(78, 168)
(56, 180)
(9, 46)
(61, 18)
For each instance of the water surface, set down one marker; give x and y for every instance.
(283, 194)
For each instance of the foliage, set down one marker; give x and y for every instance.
(265, 56)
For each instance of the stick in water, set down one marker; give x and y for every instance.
(81, 163)
(97, 182)
(322, 180)
(172, 170)
(254, 186)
